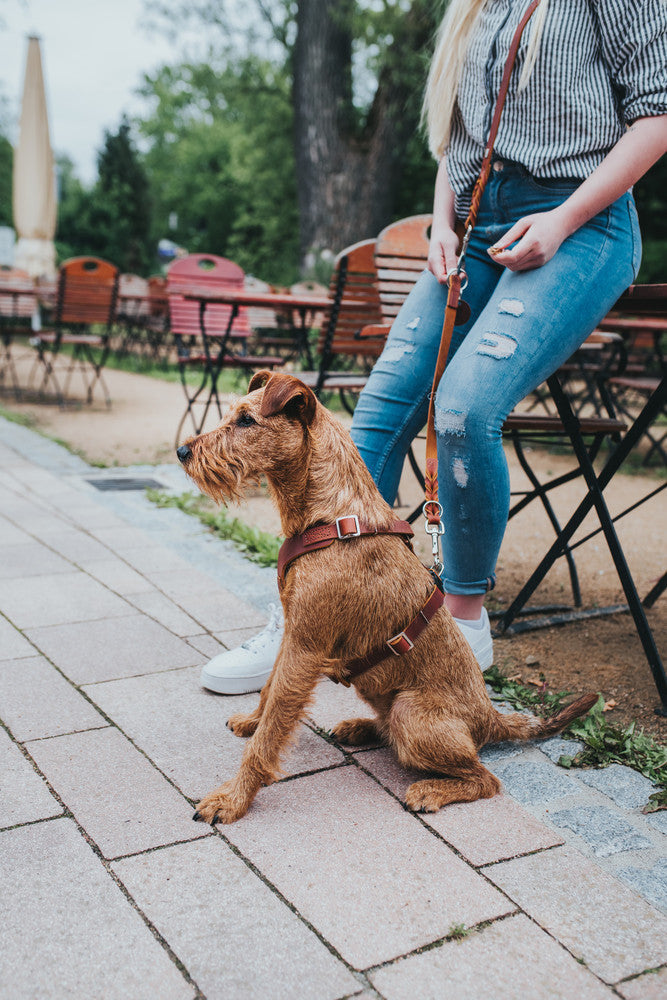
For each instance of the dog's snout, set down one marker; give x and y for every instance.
(183, 453)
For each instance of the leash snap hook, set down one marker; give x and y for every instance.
(436, 529)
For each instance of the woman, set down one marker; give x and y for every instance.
(556, 243)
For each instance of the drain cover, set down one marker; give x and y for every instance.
(108, 485)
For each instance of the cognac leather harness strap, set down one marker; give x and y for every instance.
(457, 281)
(403, 641)
(344, 528)
(323, 535)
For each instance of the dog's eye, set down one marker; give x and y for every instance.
(245, 420)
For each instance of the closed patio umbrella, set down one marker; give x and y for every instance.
(34, 191)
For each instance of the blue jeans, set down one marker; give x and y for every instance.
(523, 326)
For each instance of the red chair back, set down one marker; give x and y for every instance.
(204, 274)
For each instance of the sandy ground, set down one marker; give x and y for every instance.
(603, 654)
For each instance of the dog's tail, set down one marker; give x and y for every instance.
(525, 727)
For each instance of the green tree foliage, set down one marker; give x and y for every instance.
(220, 163)
(651, 197)
(112, 219)
(6, 162)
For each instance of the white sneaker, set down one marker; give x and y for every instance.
(478, 637)
(246, 668)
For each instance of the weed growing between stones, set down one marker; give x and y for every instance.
(604, 743)
(259, 546)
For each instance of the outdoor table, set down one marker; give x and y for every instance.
(597, 483)
(215, 360)
(302, 305)
(15, 319)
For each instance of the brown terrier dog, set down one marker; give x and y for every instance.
(343, 601)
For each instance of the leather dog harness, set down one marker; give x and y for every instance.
(344, 528)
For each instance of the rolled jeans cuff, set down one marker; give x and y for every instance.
(475, 587)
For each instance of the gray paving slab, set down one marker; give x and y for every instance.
(483, 831)
(624, 786)
(658, 820)
(113, 647)
(67, 928)
(208, 602)
(57, 600)
(650, 881)
(509, 960)
(166, 612)
(368, 875)
(13, 645)
(32, 559)
(651, 986)
(117, 796)
(604, 831)
(76, 546)
(597, 918)
(117, 575)
(24, 795)
(182, 728)
(533, 782)
(10, 534)
(233, 933)
(36, 701)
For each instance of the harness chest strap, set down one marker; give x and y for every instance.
(323, 535)
(400, 643)
(344, 528)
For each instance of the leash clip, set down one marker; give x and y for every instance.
(435, 529)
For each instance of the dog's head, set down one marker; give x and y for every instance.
(266, 432)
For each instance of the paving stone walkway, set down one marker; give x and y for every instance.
(328, 888)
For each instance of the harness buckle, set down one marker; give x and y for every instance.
(400, 644)
(343, 533)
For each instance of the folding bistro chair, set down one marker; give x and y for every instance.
(18, 304)
(641, 318)
(401, 253)
(131, 313)
(85, 302)
(639, 300)
(206, 333)
(345, 362)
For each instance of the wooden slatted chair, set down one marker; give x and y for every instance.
(640, 318)
(83, 317)
(18, 305)
(345, 361)
(208, 339)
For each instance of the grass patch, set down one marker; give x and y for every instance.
(259, 546)
(23, 419)
(604, 743)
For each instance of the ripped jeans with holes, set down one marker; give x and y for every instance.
(522, 327)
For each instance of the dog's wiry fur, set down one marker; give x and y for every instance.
(343, 601)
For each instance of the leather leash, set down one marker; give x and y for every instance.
(454, 311)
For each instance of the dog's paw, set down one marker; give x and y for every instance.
(355, 732)
(426, 796)
(220, 807)
(336, 671)
(242, 725)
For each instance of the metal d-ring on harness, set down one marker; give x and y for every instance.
(457, 312)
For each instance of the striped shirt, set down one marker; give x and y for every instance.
(600, 65)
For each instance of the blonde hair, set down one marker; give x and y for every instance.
(451, 48)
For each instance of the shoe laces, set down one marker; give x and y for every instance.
(274, 624)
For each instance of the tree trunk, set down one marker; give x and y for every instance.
(347, 172)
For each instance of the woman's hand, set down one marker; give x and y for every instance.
(539, 237)
(442, 253)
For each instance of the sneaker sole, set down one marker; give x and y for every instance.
(234, 685)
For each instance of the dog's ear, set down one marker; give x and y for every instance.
(286, 394)
(258, 380)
